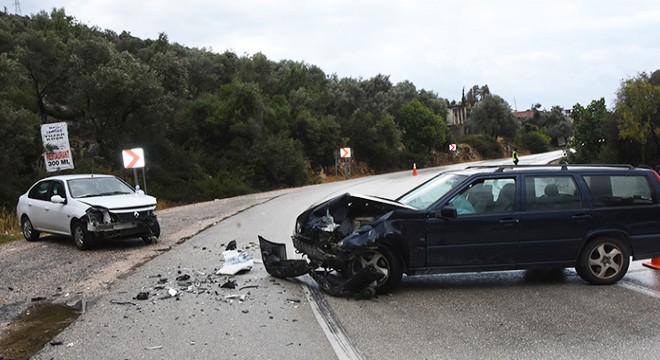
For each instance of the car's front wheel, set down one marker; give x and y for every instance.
(603, 261)
(153, 235)
(29, 232)
(385, 263)
(83, 239)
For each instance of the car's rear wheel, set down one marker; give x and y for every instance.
(385, 263)
(603, 261)
(83, 239)
(29, 232)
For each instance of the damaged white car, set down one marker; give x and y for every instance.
(88, 208)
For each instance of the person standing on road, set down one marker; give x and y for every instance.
(514, 156)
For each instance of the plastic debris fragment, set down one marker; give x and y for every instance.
(230, 284)
(235, 261)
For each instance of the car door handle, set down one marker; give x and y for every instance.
(581, 217)
(509, 221)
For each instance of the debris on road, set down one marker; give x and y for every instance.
(116, 302)
(235, 262)
(142, 295)
(230, 284)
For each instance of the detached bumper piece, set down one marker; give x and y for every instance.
(277, 265)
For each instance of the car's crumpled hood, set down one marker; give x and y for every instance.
(124, 202)
(341, 211)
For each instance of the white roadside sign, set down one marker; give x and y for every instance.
(57, 154)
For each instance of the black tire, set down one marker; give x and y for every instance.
(153, 235)
(603, 261)
(29, 233)
(83, 239)
(384, 262)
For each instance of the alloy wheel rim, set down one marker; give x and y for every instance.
(606, 261)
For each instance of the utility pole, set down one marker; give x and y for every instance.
(17, 7)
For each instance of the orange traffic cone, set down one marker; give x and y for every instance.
(414, 169)
(653, 264)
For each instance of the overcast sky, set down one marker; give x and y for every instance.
(558, 52)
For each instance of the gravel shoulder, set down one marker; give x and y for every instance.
(54, 270)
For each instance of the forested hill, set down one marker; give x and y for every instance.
(211, 124)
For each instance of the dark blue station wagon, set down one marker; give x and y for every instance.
(593, 218)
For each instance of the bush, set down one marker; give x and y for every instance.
(486, 146)
(534, 141)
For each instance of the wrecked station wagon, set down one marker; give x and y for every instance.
(492, 218)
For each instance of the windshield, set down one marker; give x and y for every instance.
(426, 194)
(98, 186)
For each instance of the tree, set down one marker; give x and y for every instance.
(637, 112)
(555, 124)
(588, 138)
(423, 132)
(476, 94)
(46, 60)
(492, 116)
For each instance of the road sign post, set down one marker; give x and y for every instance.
(345, 154)
(134, 159)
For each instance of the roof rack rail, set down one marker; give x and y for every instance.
(563, 166)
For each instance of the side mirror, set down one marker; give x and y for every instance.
(448, 212)
(57, 199)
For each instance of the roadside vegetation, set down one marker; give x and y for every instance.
(215, 125)
(9, 228)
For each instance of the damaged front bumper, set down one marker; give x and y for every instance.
(107, 224)
(360, 283)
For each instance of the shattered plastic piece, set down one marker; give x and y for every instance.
(231, 284)
(249, 287)
(142, 295)
(183, 277)
(236, 296)
(116, 302)
(171, 292)
(292, 300)
(231, 245)
(235, 261)
(154, 347)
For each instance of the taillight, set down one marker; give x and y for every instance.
(657, 177)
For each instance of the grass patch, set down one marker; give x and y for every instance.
(9, 228)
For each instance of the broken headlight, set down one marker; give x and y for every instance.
(98, 215)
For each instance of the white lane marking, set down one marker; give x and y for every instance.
(639, 288)
(334, 331)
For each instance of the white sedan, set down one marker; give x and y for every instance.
(87, 208)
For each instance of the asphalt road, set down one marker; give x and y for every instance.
(503, 315)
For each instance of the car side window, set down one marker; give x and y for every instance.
(40, 191)
(486, 196)
(611, 190)
(58, 189)
(552, 193)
